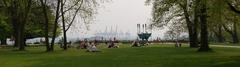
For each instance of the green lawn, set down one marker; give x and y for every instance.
(149, 56)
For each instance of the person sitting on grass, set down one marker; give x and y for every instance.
(92, 48)
(83, 45)
(135, 44)
(113, 44)
(110, 44)
(96, 42)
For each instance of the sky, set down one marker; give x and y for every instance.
(123, 14)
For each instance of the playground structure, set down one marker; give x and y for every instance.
(143, 34)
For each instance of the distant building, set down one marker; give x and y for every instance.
(110, 34)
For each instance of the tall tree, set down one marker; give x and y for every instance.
(83, 9)
(33, 25)
(204, 26)
(44, 9)
(166, 10)
(234, 26)
(55, 25)
(231, 27)
(191, 25)
(63, 26)
(50, 10)
(216, 12)
(4, 29)
(19, 10)
(4, 25)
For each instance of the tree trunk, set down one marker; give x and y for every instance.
(235, 38)
(192, 33)
(19, 18)
(221, 38)
(204, 27)
(63, 23)
(22, 23)
(20, 37)
(46, 25)
(192, 38)
(195, 25)
(4, 41)
(195, 37)
(235, 34)
(25, 42)
(219, 35)
(14, 21)
(55, 25)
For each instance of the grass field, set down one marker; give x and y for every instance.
(125, 56)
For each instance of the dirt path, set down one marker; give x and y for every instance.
(225, 46)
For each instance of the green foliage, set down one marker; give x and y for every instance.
(167, 13)
(34, 26)
(4, 27)
(216, 11)
(220, 15)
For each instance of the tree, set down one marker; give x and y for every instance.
(4, 25)
(55, 25)
(44, 9)
(216, 19)
(19, 10)
(84, 9)
(204, 27)
(193, 11)
(234, 28)
(63, 26)
(36, 27)
(218, 31)
(4, 29)
(32, 26)
(66, 11)
(166, 10)
(231, 28)
(222, 21)
(170, 35)
(191, 25)
(176, 29)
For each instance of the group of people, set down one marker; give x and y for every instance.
(138, 43)
(90, 46)
(135, 44)
(112, 43)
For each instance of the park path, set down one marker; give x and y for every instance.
(225, 46)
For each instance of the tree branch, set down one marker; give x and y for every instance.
(74, 16)
(228, 30)
(233, 8)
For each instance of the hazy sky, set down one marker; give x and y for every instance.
(125, 14)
